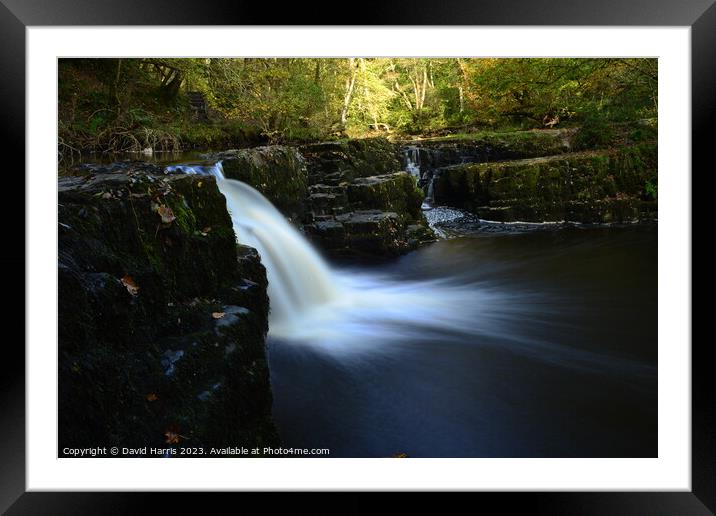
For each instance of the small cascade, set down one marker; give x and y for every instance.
(412, 161)
(299, 279)
(423, 177)
(430, 197)
(213, 169)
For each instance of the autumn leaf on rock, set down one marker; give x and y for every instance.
(218, 315)
(166, 213)
(130, 284)
(172, 437)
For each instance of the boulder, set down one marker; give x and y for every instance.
(346, 160)
(396, 192)
(371, 233)
(278, 172)
(434, 153)
(374, 215)
(597, 187)
(162, 318)
(358, 204)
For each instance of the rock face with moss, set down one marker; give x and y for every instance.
(278, 172)
(349, 159)
(613, 185)
(436, 153)
(162, 318)
(359, 202)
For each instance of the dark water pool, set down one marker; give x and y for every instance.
(560, 361)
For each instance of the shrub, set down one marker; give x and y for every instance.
(595, 132)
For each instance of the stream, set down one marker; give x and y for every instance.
(497, 340)
(531, 340)
(518, 344)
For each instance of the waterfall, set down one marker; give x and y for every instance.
(412, 166)
(412, 161)
(299, 280)
(312, 302)
(214, 169)
(351, 311)
(430, 197)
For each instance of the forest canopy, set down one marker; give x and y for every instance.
(127, 104)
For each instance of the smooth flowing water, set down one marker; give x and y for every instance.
(530, 344)
(525, 343)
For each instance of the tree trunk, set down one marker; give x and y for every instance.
(350, 83)
(115, 85)
(317, 73)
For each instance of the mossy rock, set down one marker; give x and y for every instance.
(278, 172)
(351, 159)
(595, 184)
(144, 260)
(395, 192)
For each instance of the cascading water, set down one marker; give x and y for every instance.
(347, 311)
(412, 161)
(412, 166)
(214, 169)
(299, 280)
(315, 304)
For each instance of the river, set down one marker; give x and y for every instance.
(517, 340)
(534, 343)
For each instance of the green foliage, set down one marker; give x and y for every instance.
(596, 132)
(651, 188)
(101, 101)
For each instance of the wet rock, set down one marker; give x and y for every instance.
(482, 147)
(395, 192)
(595, 187)
(332, 162)
(367, 233)
(278, 172)
(376, 215)
(137, 342)
(355, 189)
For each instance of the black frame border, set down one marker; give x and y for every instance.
(16, 15)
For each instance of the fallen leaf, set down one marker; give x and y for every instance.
(198, 185)
(218, 315)
(172, 438)
(130, 284)
(152, 397)
(166, 213)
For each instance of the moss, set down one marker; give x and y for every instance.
(556, 187)
(514, 144)
(185, 218)
(113, 345)
(278, 172)
(352, 158)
